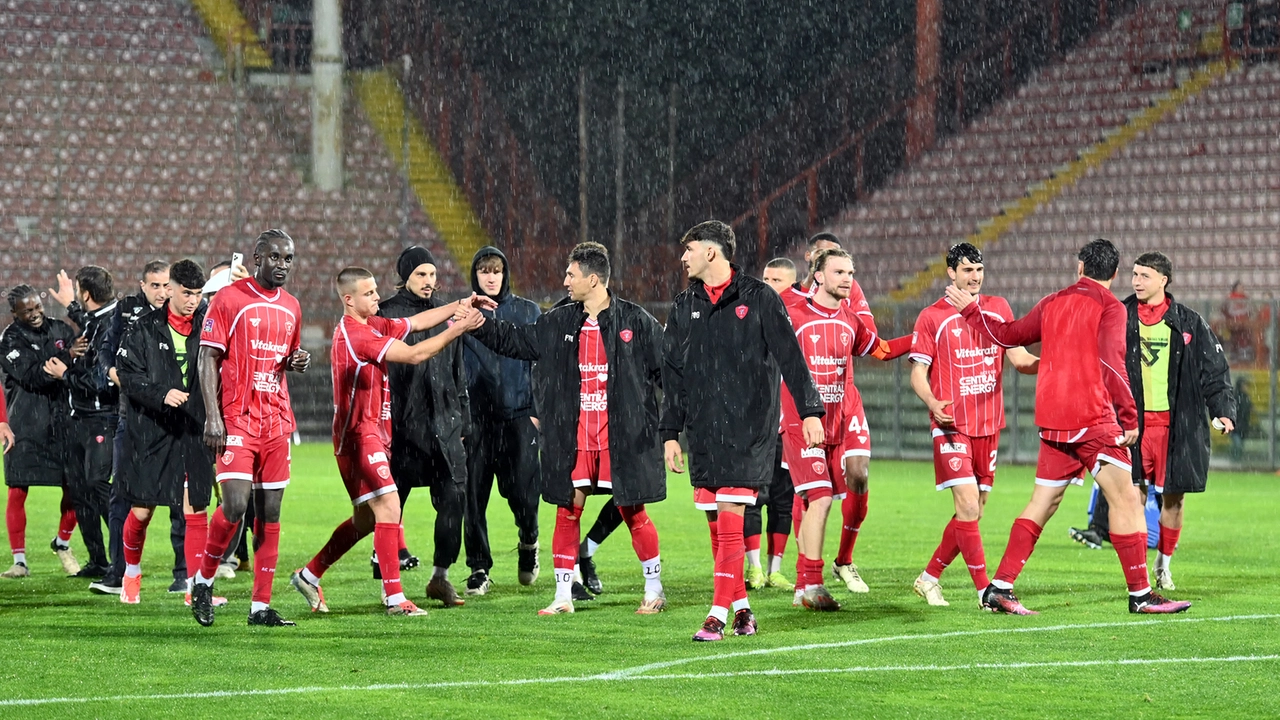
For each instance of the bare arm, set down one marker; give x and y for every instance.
(1022, 361)
(210, 368)
(399, 352)
(937, 408)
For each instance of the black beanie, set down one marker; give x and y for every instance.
(410, 259)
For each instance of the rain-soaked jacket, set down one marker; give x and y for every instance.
(38, 410)
(500, 388)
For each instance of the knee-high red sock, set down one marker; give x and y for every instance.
(777, 544)
(1168, 539)
(385, 538)
(644, 536)
(1132, 551)
(257, 533)
(564, 549)
(135, 536)
(344, 537)
(265, 558)
(67, 523)
(1022, 542)
(193, 542)
(797, 514)
(854, 510)
(969, 541)
(221, 531)
(713, 525)
(15, 519)
(729, 587)
(400, 538)
(946, 551)
(752, 542)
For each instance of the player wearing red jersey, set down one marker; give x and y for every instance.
(957, 374)
(250, 338)
(363, 344)
(830, 335)
(1081, 392)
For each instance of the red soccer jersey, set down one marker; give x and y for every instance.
(257, 331)
(830, 339)
(965, 365)
(593, 370)
(797, 295)
(361, 393)
(1082, 382)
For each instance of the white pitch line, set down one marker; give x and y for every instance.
(633, 674)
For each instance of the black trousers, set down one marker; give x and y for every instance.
(118, 510)
(89, 455)
(414, 468)
(507, 449)
(779, 496)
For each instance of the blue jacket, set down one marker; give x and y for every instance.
(500, 388)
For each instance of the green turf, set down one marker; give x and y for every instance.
(895, 656)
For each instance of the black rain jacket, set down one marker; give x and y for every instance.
(89, 387)
(38, 409)
(500, 388)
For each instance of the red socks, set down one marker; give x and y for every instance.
(344, 537)
(385, 538)
(565, 540)
(193, 542)
(777, 544)
(1168, 539)
(729, 584)
(811, 573)
(1132, 551)
(752, 542)
(265, 556)
(854, 509)
(797, 514)
(714, 525)
(221, 531)
(1022, 542)
(969, 540)
(644, 536)
(67, 523)
(15, 519)
(403, 544)
(135, 535)
(946, 552)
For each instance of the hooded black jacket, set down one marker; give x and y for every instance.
(720, 374)
(89, 387)
(1199, 379)
(38, 409)
(162, 444)
(633, 344)
(430, 408)
(500, 388)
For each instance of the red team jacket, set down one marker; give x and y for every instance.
(1081, 382)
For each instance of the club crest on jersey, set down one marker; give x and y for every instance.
(955, 464)
(227, 457)
(954, 448)
(57, 343)
(254, 321)
(819, 467)
(844, 339)
(625, 335)
(99, 439)
(288, 327)
(383, 472)
(1186, 338)
(740, 311)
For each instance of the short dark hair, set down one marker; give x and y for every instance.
(153, 267)
(781, 263)
(715, 232)
(1100, 258)
(824, 235)
(96, 281)
(1157, 261)
(821, 257)
(267, 237)
(18, 293)
(188, 274)
(593, 258)
(963, 251)
(491, 263)
(348, 277)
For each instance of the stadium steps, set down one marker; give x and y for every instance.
(228, 28)
(429, 176)
(1041, 193)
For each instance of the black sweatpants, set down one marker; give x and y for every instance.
(414, 468)
(507, 449)
(779, 496)
(89, 455)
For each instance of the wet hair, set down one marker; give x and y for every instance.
(18, 293)
(592, 258)
(267, 237)
(819, 237)
(715, 232)
(188, 274)
(1100, 258)
(491, 263)
(963, 251)
(96, 281)
(347, 279)
(1157, 261)
(153, 267)
(781, 263)
(821, 257)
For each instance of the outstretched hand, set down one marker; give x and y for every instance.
(469, 321)
(66, 292)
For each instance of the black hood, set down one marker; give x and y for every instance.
(505, 291)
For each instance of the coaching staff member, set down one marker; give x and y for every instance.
(727, 337)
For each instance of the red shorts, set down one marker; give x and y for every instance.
(706, 498)
(1066, 455)
(592, 470)
(959, 459)
(262, 461)
(816, 472)
(1155, 454)
(366, 472)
